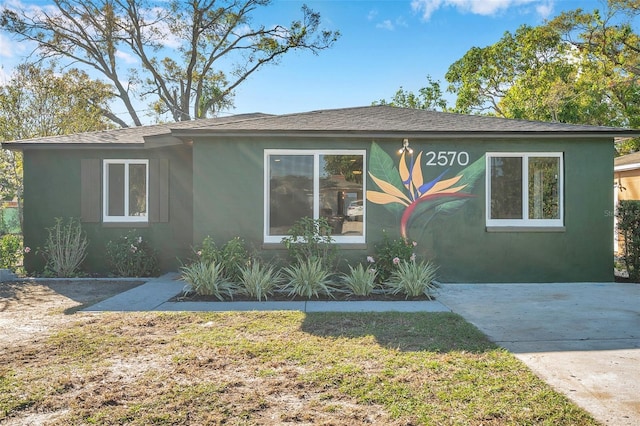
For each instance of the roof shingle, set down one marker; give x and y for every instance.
(380, 119)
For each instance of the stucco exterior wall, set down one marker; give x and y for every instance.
(52, 181)
(229, 202)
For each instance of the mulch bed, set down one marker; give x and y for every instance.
(282, 297)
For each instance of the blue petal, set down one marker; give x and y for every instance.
(427, 186)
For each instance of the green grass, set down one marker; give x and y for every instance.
(277, 367)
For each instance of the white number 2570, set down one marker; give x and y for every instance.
(447, 158)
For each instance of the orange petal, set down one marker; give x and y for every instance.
(447, 190)
(442, 185)
(382, 198)
(389, 189)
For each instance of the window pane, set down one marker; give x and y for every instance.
(116, 190)
(290, 191)
(543, 188)
(137, 190)
(341, 199)
(506, 188)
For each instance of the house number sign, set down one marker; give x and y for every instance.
(447, 158)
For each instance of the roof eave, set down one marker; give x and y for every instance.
(17, 146)
(626, 167)
(204, 133)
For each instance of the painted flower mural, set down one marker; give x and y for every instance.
(403, 189)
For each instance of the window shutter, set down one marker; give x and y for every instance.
(90, 190)
(159, 190)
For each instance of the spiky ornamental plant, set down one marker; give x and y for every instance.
(308, 278)
(259, 280)
(413, 279)
(360, 281)
(207, 279)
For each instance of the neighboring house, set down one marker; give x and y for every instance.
(626, 172)
(626, 180)
(488, 199)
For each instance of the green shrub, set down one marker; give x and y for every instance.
(307, 279)
(259, 281)
(412, 279)
(360, 281)
(65, 248)
(311, 239)
(233, 256)
(389, 253)
(10, 251)
(628, 214)
(207, 279)
(131, 256)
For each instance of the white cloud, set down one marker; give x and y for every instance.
(385, 25)
(426, 7)
(477, 7)
(6, 50)
(126, 57)
(4, 77)
(372, 15)
(390, 25)
(545, 10)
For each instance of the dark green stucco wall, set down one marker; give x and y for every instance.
(53, 189)
(216, 188)
(229, 202)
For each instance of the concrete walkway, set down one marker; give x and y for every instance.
(154, 295)
(581, 338)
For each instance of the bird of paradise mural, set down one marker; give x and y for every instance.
(403, 189)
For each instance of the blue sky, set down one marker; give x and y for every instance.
(384, 45)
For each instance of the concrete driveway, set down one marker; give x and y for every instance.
(581, 338)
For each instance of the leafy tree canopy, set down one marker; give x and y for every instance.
(191, 56)
(581, 67)
(40, 102)
(429, 97)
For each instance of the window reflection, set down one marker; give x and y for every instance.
(339, 197)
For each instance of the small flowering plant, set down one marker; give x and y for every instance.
(131, 256)
(390, 253)
(232, 256)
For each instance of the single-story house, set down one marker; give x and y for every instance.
(626, 180)
(487, 199)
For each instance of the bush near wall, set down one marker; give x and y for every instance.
(10, 251)
(628, 215)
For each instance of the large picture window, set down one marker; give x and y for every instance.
(317, 184)
(524, 189)
(125, 190)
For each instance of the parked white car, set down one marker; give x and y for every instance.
(355, 211)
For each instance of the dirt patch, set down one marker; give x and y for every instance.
(30, 309)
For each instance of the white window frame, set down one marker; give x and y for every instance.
(105, 191)
(525, 221)
(316, 153)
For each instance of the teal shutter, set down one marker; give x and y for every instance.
(90, 190)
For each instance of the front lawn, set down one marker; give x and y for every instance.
(247, 368)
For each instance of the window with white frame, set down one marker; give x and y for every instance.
(317, 184)
(525, 189)
(125, 190)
